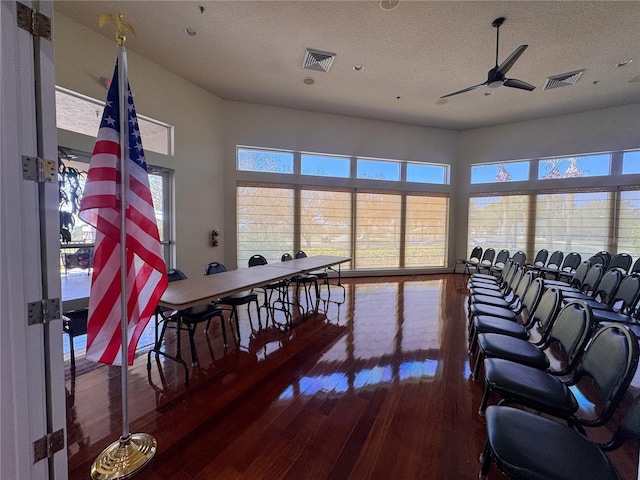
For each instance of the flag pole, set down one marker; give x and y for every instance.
(128, 455)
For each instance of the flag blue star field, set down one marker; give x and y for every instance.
(146, 274)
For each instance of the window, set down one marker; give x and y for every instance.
(500, 172)
(573, 222)
(75, 264)
(265, 222)
(631, 162)
(629, 226)
(425, 173)
(571, 167)
(270, 161)
(426, 231)
(80, 114)
(325, 166)
(325, 223)
(378, 230)
(378, 170)
(499, 222)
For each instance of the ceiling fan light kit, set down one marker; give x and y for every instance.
(496, 76)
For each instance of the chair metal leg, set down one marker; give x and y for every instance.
(485, 400)
(486, 460)
(476, 367)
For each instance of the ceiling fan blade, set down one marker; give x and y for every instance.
(508, 63)
(515, 83)
(465, 90)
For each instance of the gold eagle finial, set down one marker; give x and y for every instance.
(120, 24)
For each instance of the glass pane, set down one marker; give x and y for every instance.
(265, 223)
(571, 167)
(500, 172)
(265, 161)
(498, 222)
(420, 173)
(324, 166)
(377, 230)
(631, 162)
(378, 170)
(573, 222)
(325, 223)
(629, 227)
(426, 231)
(80, 114)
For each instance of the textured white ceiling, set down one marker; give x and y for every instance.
(253, 51)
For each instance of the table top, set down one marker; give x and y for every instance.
(207, 288)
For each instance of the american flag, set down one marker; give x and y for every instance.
(145, 266)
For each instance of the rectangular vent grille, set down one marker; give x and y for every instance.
(318, 60)
(562, 80)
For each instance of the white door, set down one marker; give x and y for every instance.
(32, 396)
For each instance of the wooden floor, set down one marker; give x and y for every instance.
(376, 386)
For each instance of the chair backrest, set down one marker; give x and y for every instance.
(608, 286)
(580, 274)
(533, 294)
(286, 257)
(547, 309)
(476, 255)
(592, 279)
(570, 331)
(622, 262)
(214, 267)
(301, 254)
(555, 260)
(256, 260)
(628, 294)
(175, 274)
(606, 256)
(610, 360)
(636, 266)
(541, 258)
(501, 258)
(571, 262)
(487, 257)
(519, 257)
(597, 259)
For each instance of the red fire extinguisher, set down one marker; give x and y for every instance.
(214, 237)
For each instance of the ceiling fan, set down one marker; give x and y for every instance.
(496, 75)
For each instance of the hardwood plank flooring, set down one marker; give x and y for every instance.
(376, 385)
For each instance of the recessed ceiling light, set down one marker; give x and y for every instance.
(389, 4)
(190, 31)
(358, 68)
(309, 81)
(624, 63)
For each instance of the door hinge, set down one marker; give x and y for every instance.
(43, 311)
(39, 169)
(33, 22)
(48, 445)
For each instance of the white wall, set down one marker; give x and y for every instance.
(273, 127)
(83, 56)
(596, 131)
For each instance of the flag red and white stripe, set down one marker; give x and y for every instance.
(146, 275)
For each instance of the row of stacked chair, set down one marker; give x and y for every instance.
(556, 264)
(536, 337)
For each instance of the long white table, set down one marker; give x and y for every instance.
(210, 288)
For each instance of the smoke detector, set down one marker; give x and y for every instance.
(318, 60)
(562, 80)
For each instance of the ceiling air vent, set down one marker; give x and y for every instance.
(562, 80)
(318, 60)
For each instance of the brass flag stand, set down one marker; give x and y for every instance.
(128, 455)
